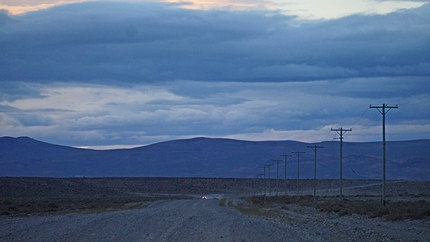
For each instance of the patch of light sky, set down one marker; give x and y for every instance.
(303, 9)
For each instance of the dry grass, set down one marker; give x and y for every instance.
(408, 199)
(393, 210)
(254, 210)
(72, 205)
(222, 202)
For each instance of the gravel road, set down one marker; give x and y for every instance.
(204, 220)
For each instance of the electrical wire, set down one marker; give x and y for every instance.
(329, 132)
(371, 122)
(414, 102)
(365, 111)
(419, 89)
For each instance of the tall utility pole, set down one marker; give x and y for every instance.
(315, 148)
(259, 179)
(383, 111)
(265, 183)
(268, 166)
(285, 173)
(341, 132)
(298, 169)
(277, 175)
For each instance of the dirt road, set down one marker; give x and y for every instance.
(181, 220)
(189, 220)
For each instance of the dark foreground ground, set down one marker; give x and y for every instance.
(23, 196)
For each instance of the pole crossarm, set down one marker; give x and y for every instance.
(315, 148)
(298, 169)
(383, 110)
(285, 156)
(285, 173)
(277, 176)
(341, 131)
(268, 173)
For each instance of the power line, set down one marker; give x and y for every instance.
(285, 172)
(383, 111)
(414, 102)
(371, 120)
(268, 167)
(419, 89)
(298, 170)
(341, 132)
(360, 117)
(349, 165)
(277, 176)
(409, 102)
(315, 148)
(327, 135)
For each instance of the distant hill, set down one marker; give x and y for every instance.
(210, 157)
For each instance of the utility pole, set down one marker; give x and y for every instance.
(265, 183)
(268, 166)
(298, 170)
(277, 175)
(383, 111)
(315, 148)
(264, 178)
(258, 184)
(285, 172)
(259, 178)
(341, 132)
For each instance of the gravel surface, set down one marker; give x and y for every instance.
(206, 220)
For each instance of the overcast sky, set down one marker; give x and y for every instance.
(105, 74)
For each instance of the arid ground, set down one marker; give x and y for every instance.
(172, 209)
(19, 196)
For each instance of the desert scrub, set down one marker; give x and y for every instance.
(67, 205)
(393, 210)
(7, 202)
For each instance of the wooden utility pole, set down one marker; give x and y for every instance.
(285, 172)
(268, 167)
(298, 170)
(315, 148)
(265, 183)
(341, 132)
(277, 176)
(259, 179)
(383, 111)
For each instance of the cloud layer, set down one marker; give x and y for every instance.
(147, 42)
(106, 73)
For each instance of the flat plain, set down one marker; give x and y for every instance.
(172, 209)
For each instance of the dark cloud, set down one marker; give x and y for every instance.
(81, 114)
(99, 73)
(32, 119)
(11, 91)
(150, 42)
(7, 109)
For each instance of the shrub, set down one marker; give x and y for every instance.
(7, 202)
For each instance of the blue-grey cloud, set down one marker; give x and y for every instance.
(151, 42)
(81, 114)
(11, 91)
(106, 73)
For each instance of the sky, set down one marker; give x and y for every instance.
(114, 74)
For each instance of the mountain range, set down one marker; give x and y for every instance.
(216, 157)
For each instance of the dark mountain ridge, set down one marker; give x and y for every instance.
(215, 157)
